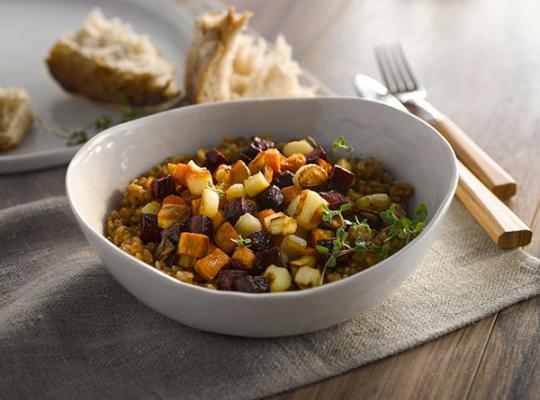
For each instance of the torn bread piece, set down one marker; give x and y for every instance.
(107, 61)
(15, 117)
(224, 63)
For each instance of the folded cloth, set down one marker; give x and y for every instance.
(68, 330)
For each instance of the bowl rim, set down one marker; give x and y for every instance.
(431, 225)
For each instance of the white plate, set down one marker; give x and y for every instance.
(30, 27)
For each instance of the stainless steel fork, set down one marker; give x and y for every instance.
(401, 81)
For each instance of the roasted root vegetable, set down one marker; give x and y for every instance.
(193, 244)
(297, 146)
(200, 224)
(341, 179)
(151, 208)
(310, 175)
(209, 203)
(150, 231)
(320, 234)
(289, 193)
(162, 187)
(280, 224)
(271, 198)
(374, 202)
(251, 284)
(198, 180)
(263, 214)
(226, 277)
(243, 258)
(235, 191)
(307, 277)
(239, 172)
(209, 266)
(247, 224)
(255, 184)
(225, 237)
(180, 172)
(308, 212)
(305, 261)
(293, 163)
(278, 278)
(172, 213)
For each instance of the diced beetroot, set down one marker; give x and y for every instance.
(271, 198)
(255, 147)
(163, 187)
(238, 207)
(226, 277)
(334, 198)
(173, 232)
(214, 158)
(251, 284)
(264, 258)
(261, 240)
(284, 179)
(341, 179)
(150, 231)
(321, 188)
(200, 224)
(317, 152)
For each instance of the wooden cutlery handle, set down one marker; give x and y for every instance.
(500, 223)
(477, 160)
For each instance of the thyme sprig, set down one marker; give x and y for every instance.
(242, 242)
(341, 144)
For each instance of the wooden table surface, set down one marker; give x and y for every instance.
(480, 62)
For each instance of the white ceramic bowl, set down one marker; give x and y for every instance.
(410, 149)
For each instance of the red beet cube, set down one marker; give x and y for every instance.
(150, 231)
(226, 277)
(261, 240)
(238, 207)
(251, 284)
(317, 152)
(334, 198)
(341, 179)
(200, 224)
(214, 158)
(271, 198)
(163, 187)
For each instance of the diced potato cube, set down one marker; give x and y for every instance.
(151, 208)
(297, 146)
(280, 224)
(309, 211)
(293, 244)
(255, 184)
(243, 258)
(278, 278)
(374, 202)
(225, 236)
(239, 172)
(172, 213)
(305, 261)
(235, 191)
(247, 224)
(209, 266)
(293, 206)
(209, 203)
(307, 277)
(193, 244)
(197, 181)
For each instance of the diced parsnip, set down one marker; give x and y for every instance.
(293, 247)
(280, 224)
(255, 184)
(186, 261)
(297, 146)
(222, 173)
(247, 224)
(197, 181)
(225, 236)
(374, 202)
(243, 258)
(263, 214)
(209, 266)
(180, 172)
(239, 172)
(218, 220)
(209, 203)
(195, 206)
(278, 278)
(293, 163)
(293, 206)
(344, 163)
(235, 191)
(289, 193)
(309, 176)
(305, 261)
(193, 244)
(325, 165)
(172, 213)
(309, 212)
(320, 234)
(307, 277)
(151, 208)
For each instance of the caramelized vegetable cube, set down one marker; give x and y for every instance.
(309, 210)
(235, 191)
(209, 266)
(324, 165)
(263, 214)
(284, 179)
(334, 198)
(150, 231)
(186, 261)
(297, 146)
(293, 163)
(255, 184)
(261, 241)
(271, 198)
(162, 187)
(251, 284)
(214, 158)
(318, 152)
(195, 206)
(238, 207)
(264, 258)
(341, 179)
(197, 181)
(278, 278)
(256, 146)
(289, 193)
(209, 203)
(226, 277)
(243, 258)
(225, 236)
(280, 224)
(247, 224)
(320, 234)
(218, 220)
(305, 261)
(172, 213)
(172, 199)
(200, 224)
(180, 172)
(310, 175)
(151, 208)
(374, 202)
(307, 277)
(193, 244)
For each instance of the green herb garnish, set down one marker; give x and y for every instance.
(341, 144)
(77, 137)
(242, 242)
(328, 215)
(219, 189)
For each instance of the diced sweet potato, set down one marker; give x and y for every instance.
(173, 199)
(209, 266)
(243, 258)
(193, 244)
(195, 206)
(239, 172)
(218, 220)
(293, 162)
(325, 165)
(263, 214)
(271, 158)
(179, 174)
(225, 236)
(289, 193)
(319, 234)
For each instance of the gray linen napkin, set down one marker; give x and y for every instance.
(68, 330)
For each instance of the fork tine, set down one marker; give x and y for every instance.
(414, 83)
(384, 68)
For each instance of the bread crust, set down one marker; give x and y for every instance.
(19, 121)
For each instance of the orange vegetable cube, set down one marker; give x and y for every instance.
(243, 258)
(218, 220)
(225, 236)
(293, 162)
(325, 165)
(180, 172)
(271, 158)
(172, 199)
(263, 214)
(289, 193)
(195, 206)
(239, 172)
(319, 234)
(209, 266)
(193, 244)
